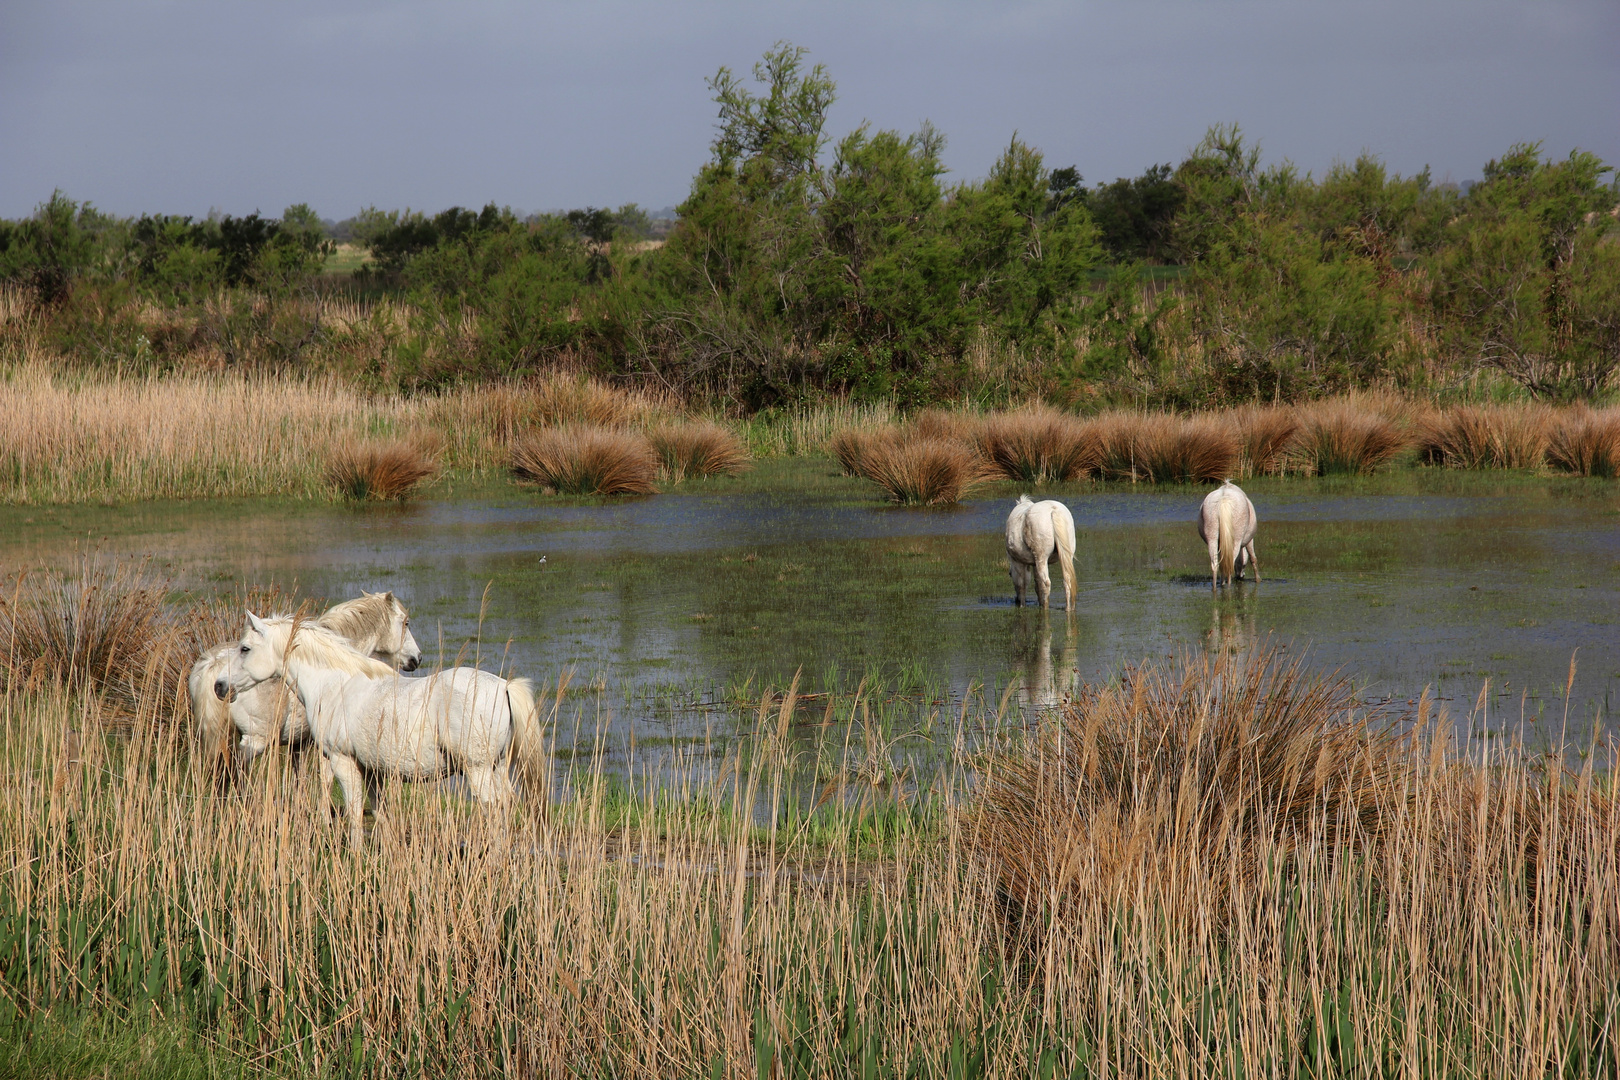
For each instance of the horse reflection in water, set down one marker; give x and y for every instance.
(1233, 628)
(1043, 684)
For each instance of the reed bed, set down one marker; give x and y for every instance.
(579, 459)
(1487, 437)
(108, 437)
(1035, 444)
(1249, 879)
(373, 469)
(697, 449)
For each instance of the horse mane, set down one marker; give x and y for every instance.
(322, 647)
(362, 617)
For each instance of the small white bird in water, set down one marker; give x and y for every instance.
(542, 560)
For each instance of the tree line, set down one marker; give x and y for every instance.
(801, 265)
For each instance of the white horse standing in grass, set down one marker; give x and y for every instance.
(373, 623)
(1226, 523)
(364, 716)
(1039, 533)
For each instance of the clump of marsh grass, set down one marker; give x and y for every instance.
(1486, 437)
(852, 446)
(697, 449)
(1586, 442)
(103, 626)
(1214, 759)
(1344, 437)
(922, 472)
(579, 459)
(1036, 444)
(1164, 448)
(374, 469)
(1265, 433)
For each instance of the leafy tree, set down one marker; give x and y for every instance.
(1528, 279)
(1135, 218)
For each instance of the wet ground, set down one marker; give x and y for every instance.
(1419, 579)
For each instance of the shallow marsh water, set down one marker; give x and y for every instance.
(683, 601)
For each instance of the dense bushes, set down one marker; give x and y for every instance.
(802, 264)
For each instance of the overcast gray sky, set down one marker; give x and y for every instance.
(183, 106)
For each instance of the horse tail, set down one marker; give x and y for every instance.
(1063, 534)
(1224, 531)
(528, 742)
(212, 716)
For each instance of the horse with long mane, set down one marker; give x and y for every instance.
(374, 623)
(1039, 533)
(1226, 523)
(365, 716)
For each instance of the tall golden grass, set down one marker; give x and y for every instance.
(372, 469)
(1204, 871)
(1586, 442)
(702, 448)
(108, 437)
(579, 459)
(1341, 437)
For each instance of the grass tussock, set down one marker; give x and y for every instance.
(1265, 435)
(1487, 437)
(1036, 444)
(374, 469)
(1165, 448)
(561, 399)
(702, 448)
(581, 460)
(852, 447)
(107, 627)
(1342, 437)
(921, 471)
(1218, 759)
(1586, 442)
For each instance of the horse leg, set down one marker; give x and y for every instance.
(1214, 562)
(1043, 582)
(347, 771)
(374, 788)
(1254, 560)
(1016, 569)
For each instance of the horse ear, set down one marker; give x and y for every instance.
(388, 597)
(257, 624)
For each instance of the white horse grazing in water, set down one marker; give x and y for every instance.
(364, 715)
(1039, 533)
(1226, 523)
(374, 623)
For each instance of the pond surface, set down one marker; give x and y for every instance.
(1431, 579)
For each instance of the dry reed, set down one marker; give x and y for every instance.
(1486, 437)
(582, 460)
(1586, 442)
(1035, 444)
(372, 469)
(1341, 437)
(923, 472)
(703, 448)
(1286, 894)
(851, 447)
(1265, 434)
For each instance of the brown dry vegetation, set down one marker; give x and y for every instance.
(372, 469)
(582, 460)
(1341, 437)
(1213, 869)
(922, 471)
(697, 449)
(1487, 437)
(1586, 442)
(116, 438)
